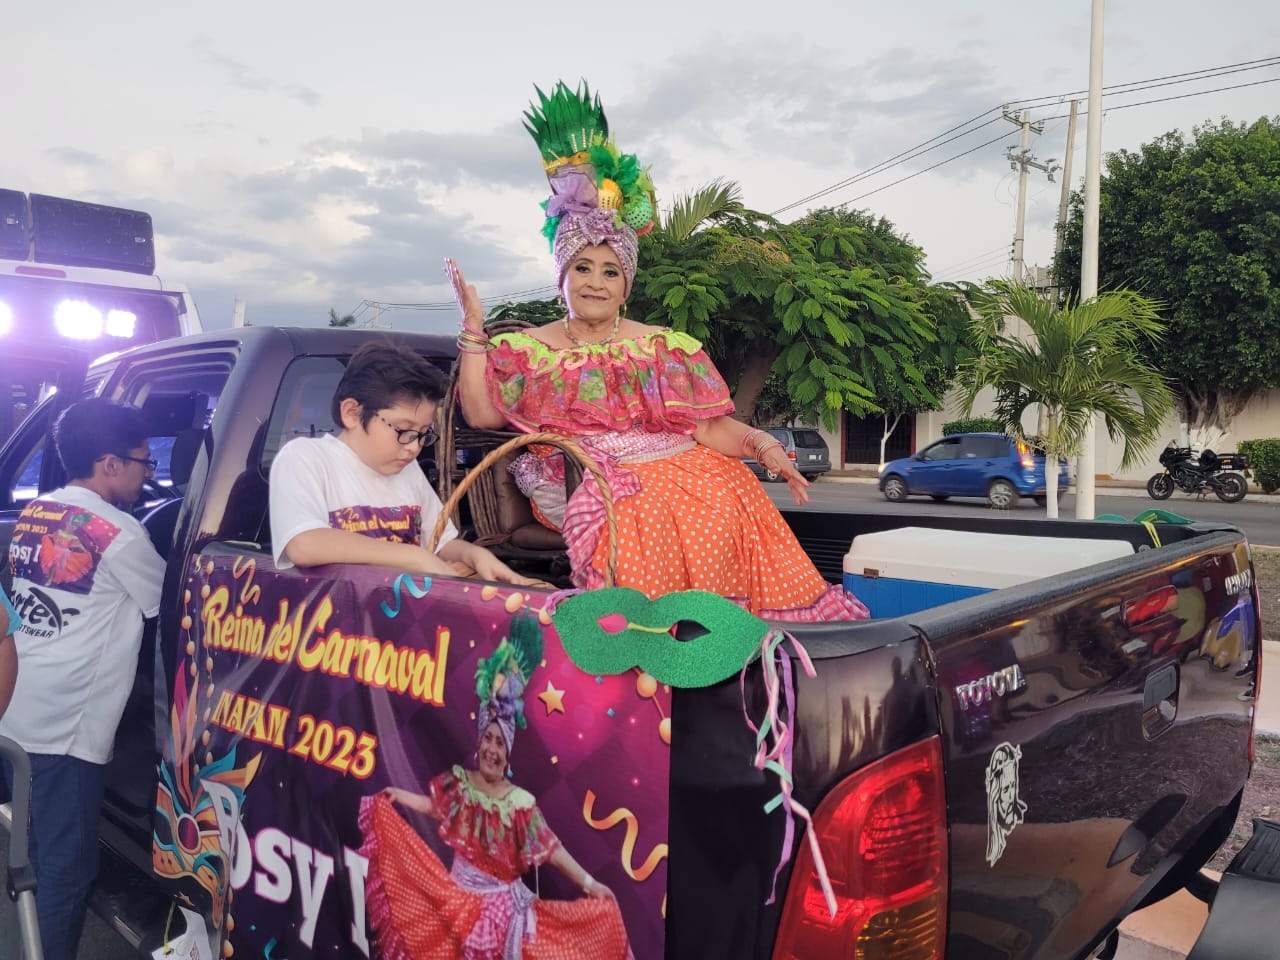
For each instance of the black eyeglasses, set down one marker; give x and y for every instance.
(148, 465)
(407, 438)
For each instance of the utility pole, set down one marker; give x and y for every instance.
(1085, 487)
(1061, 238)
(1024, 161)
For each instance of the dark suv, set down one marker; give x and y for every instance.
(990, 465)
(805, 448)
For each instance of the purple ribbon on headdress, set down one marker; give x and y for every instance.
(573, 192)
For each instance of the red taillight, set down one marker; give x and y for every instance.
(791, 454)
(883, 833)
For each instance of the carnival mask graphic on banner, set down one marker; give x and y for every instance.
(301, 713)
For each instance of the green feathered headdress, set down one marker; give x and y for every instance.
(565, 123)
(578, 154)
(501, 678)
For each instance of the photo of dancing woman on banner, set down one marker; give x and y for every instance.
(479, 908)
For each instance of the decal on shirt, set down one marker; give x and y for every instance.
(59, 545)
(397, 524)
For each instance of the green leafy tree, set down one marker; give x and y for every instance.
(1195, 223)
(797, 299)
(536, 312)
(347, 320)
(1083, 359)
(874, 242)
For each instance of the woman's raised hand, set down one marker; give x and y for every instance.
(467, 297)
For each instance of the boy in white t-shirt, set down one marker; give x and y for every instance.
(361, 496)
(85, 575)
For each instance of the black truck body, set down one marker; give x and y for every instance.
(1004, 776)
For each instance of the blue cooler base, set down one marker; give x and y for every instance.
(887, 597)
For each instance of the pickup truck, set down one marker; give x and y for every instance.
(1002, 776)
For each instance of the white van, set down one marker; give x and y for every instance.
(77, 280)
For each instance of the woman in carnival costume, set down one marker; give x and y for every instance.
(479, 908)
(645, 402)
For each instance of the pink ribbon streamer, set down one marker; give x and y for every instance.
(777, 756)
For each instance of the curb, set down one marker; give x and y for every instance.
(1109, 488)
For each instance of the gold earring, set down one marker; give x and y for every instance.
(623, 312)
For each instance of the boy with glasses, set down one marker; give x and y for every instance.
(85, 575)
(361, 496)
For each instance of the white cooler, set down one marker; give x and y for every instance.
(915, 568)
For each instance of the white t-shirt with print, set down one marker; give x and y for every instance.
(84, 576)
(321, 482)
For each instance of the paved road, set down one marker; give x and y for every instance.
(1258, 515)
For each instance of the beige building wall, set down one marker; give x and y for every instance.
(1259, 420)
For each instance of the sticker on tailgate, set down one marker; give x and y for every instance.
(1005, 809)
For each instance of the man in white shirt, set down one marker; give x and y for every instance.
(85, 575)
(361, 496)
(9, 623)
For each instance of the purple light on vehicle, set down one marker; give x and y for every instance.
(6, 319)
(77, 320)
(121, 323)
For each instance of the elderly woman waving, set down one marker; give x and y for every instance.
(645, 402)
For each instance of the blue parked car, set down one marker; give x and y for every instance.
(990, 465)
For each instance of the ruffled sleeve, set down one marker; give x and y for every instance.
(502, 836)
(664, 382)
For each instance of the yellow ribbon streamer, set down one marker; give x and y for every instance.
(656, 855)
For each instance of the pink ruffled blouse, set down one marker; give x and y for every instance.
(662, 382)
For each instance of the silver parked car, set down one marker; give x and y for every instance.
(805, 448)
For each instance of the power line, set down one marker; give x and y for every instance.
(1189, 77)
(1115, 89)
(1003, 250)
(977, 265)
(1182, 96)
(893, 161)
(912, 176)
(529, 294)
(942, 139)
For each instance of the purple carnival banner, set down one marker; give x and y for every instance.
(322, 788)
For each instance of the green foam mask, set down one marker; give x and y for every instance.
(688, 639)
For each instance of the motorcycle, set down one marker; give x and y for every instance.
(1211, 471)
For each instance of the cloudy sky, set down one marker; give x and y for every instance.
(308, 155)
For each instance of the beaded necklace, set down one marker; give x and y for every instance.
(590, 343)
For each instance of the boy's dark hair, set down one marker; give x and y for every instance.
(90, 429)
(381, 373)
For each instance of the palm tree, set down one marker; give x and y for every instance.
(716, 202)
(344, 321)
(1081, 359)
